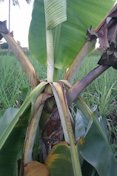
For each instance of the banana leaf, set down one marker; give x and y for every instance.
(13, 128)
(5, 121)
(59, 160)
(93, 145)
(97, 151)
(6, 128)
(69, 36)
(12, 151)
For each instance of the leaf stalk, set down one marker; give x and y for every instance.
(23, 59)
(79, 86)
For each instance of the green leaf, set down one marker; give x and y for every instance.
(94, 147)
(6, 119)
(80, 124)
(59, 161)
(13, 148)
(5, 132)
(55, 12)
(96, 151)
(70, 36)
(5, 122)
(37, 32)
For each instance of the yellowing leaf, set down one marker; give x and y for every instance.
(51, 158)
(81, 141)
(59, 160)
(35, 168)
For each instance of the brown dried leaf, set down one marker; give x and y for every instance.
(52, 133)
(3, 28)
(107, 34)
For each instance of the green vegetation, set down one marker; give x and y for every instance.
(13, 82)
(14, 85)
(54, 126)
(100, 95)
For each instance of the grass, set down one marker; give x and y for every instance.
(102, 92)
(101, 95)
(12, 82)
(14, 85)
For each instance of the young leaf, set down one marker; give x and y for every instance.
(55, 12)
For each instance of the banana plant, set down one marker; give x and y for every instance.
(42, 137)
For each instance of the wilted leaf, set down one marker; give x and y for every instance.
(109, 57)
(107, 34)
(3, 27)
(107, 30)
(52, 133)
